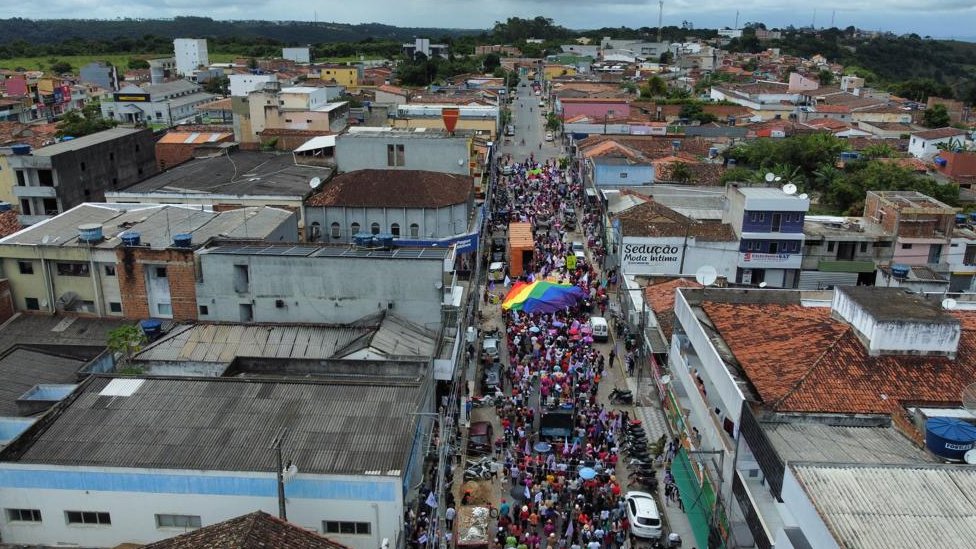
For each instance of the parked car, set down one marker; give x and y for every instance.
(577, 246)
(509, 130)
(645, 520)
(548, 136)
(489, 349)
(569, 215)
(507, 170)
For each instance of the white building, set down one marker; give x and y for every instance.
(298, 55)
(159, 105)
(164, 455)
(243, 84)
(926, 144)
(190, 53)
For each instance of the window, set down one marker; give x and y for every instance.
(344, 527)
(31, 304)
(114, 307)
(336, 230)
(395, 155)
(246, 311)
(164, 309)
(204, 310)
(83, 166)
(830, 246)
(160, 272)
(762, 216)
(111, 157)
(110, 270)
(414, 230)
(24, 515)
(864, 247)
(72, 269)
(315, 232)
(26, 267)
(25, 206)
(177, 521)
(395, 230)
(354, 229)
(45, 178)
(88, 517)
(50, 206)
(242, 279)
(374, 228)
(21, 180)
(623, 175)
(906, 246)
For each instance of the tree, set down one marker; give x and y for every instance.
(666, 58)
(492, 62)
(124, 342)
(878, 150)
(219, 85)
(88, 121)
(59, 67)
(655, 87)
(553, 122)
(136, 64)
(681, 172)
(736, 174)
(825, 77)
(936, 116)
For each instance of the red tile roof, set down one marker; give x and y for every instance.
(799, 359)
(652, 219)
(660, 298)
(35, 135)
(394, 189)
(8, 223)
(257, 530)
(939, 133)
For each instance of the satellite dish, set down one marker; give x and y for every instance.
(804, 196)
(706, 275)
(665, 379)
(762, 284)
(970, 457)
(770, 177)
(789, 189)
(778, 178)
(315, 182)
(969, 399)
(948, 303)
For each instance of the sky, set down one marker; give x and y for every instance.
(940, 19)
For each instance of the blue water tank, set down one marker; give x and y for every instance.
(384, 240)
(5, 207)
(363, 240)
(712, 152)
(182, 240)
(131, 238)
(972, 216)
(152, 328)
(732, 162)
(941, 161)
(899, 270)
(20, 149)
(68, 138)
(960, 219)
(90, 232)
(949, 438)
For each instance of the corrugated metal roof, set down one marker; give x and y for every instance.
(870, 507)
(223, 342)
(22, 369)
(841, 444)
(227, 425)
(397, 337)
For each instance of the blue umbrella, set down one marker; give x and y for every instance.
(587, 473)
(542, 447)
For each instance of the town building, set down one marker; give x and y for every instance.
(843, 251)
(101, 74)
(244, 532)
(424, 46)
(406, 149)
(482, 119)
(298, 55)
(344, 75)
(769, 225)
(291, 108)
(57, 177)
(925, 144)
(190, 54)
(178, 145)
(922, 226)
(158, 105)
(224, 178)
(103, 493)
(124, 260)
(407, 204)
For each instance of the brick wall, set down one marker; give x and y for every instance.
(173, 154)
(6, 301)
(180, 272)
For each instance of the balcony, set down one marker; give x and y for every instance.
(35, 192)
(756, 260)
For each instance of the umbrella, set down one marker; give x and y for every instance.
(542, 447)
(557, 324)
(542, 297)
(534, 329)
(587, 473)
(587, 339)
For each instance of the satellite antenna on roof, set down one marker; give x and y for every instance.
(770, 176)
(949, 303)
(314, 182)
(804, 196)
(706, 275)
(789, 189)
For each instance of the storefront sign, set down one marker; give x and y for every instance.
(765, 258)
(652, 256)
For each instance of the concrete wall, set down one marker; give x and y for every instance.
(807, 517)
(133, 497)
(432, 223)
(320, 290)
(616, 175)
(648, 255)
(445, 155)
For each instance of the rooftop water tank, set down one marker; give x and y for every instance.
(90, 232)
(152, 328)
(384, 240)
(676, 144)
(949, 438)
(941, 161)
(960, 219)
(20, 149)
(972, 216)
(182, 240)
(732, 162)
(712, 152)
(899, 270)
(131, 238)
(363, 240)
(5, 206)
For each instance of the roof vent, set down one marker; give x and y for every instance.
(889, 321)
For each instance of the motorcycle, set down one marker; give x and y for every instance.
(482, 401)
(618, 396)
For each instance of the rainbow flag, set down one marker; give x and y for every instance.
(542, 296)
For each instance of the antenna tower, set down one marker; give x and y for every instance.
(660, 18)
(736, 27)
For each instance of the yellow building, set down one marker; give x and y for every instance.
(6, 181)
(344, 75)
(555, 71)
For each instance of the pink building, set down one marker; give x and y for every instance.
(593, 107)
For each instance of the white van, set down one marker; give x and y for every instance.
(601, 330)
(496, 271)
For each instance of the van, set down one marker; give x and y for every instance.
(601, 330)
(489, 347)
(509, 130)
(496, 271)
(577, 246)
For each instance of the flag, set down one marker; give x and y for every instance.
(431, 500)
(566, 447)
(569, 530)
(603, 416)
(422, 539)
(575, 445)
(528, 447)
(528, 494)
(508, 281)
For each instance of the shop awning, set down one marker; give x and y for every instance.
(846, 266)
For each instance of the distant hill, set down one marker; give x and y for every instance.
(50, 31)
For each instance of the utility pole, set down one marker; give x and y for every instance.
(736, 27)
(276, 446)
(660, 18)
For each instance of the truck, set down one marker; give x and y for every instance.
(557, 424)
(473, 527)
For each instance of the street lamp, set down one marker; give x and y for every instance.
(284, 472)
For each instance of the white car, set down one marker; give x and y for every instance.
(645, 521)
(548, 136)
